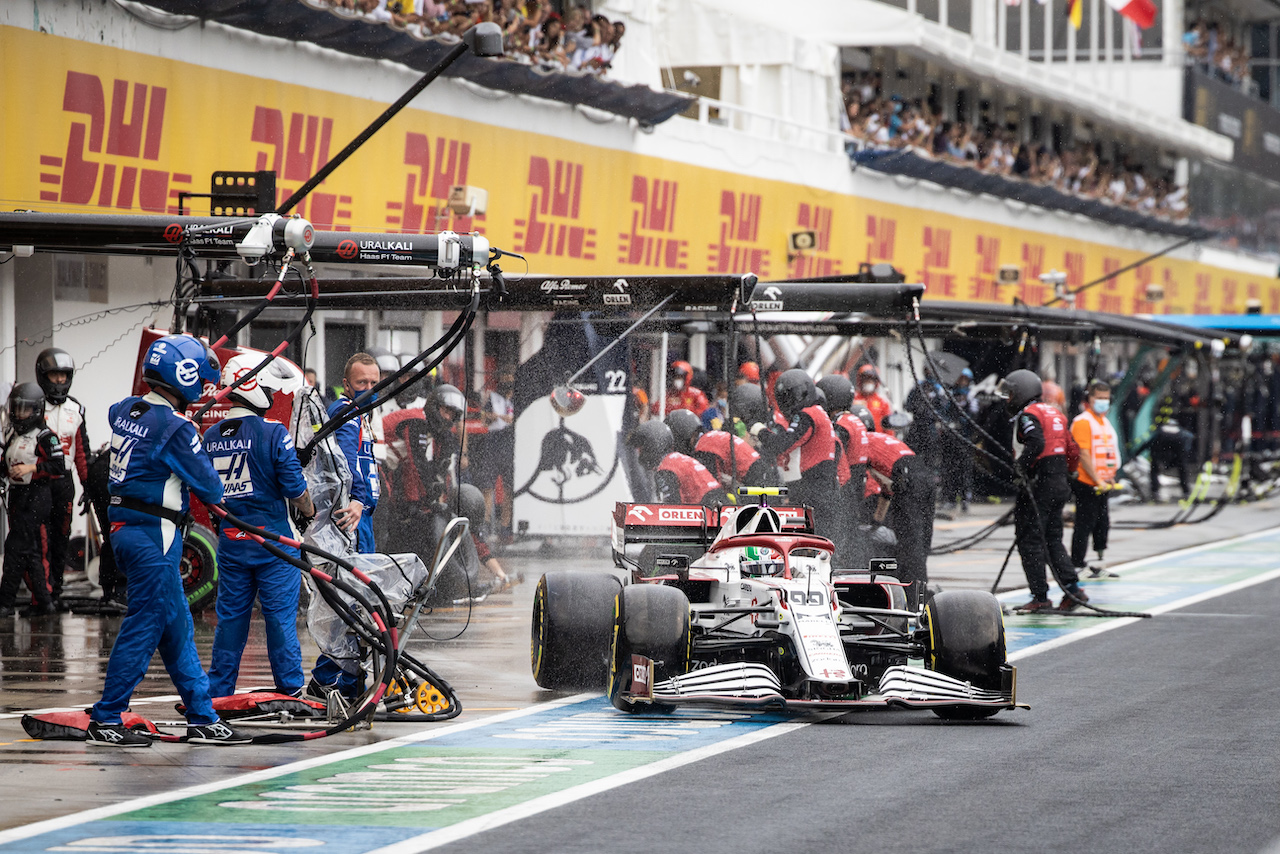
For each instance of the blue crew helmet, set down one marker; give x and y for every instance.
(181, 365)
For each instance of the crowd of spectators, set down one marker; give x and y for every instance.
(892, 122)
(534, 32)
(1219, 56)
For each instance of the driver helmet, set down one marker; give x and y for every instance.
(760, 561)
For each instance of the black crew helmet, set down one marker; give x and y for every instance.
(839, 392)
(685, 429)
(55, 359)
(794, 390)
(864, 415)
(1019, 388)
(26, 407)
(653, 440)
(746, 402)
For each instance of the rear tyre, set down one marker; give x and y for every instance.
(653, 621)
(572, 628)
(200, 568)
(966, 642)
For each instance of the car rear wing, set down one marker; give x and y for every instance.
(687, 524)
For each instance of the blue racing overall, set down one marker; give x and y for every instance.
(259, 468)
(156, 456)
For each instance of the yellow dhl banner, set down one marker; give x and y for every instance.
(90, 128)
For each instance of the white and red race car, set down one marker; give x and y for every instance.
(740, 607)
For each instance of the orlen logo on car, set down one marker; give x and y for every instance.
(640, 513)
(687, 514)
(347, 249)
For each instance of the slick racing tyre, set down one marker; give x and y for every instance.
(572, 627)
(653, 621)
(200, 568)
(966, 642)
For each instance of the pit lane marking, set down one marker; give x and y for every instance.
(1113, 623)
(100, 813)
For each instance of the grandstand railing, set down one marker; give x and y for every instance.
(774, 128)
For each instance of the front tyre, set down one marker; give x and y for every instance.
(571, 629)
(653, 621)
(966, 642)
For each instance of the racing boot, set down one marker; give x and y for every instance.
(1045, 604)
(114, 735)
(1098, 569)
(217, 732)
(1075, 596)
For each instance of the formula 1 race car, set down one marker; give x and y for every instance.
(740, 607)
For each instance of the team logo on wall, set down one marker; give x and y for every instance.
(568, 471)
(573, 466)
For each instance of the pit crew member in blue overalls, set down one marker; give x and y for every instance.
(156, 456)
(355, 438)
(261, 477)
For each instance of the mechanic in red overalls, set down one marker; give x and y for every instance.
(805, 447)
(678, 478)
(908, 511)
(851, 472)
(711, 448)
(680, 391)
(1041, 431)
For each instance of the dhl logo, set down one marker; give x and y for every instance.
(106, 158)
(880, 234)
(1109, 299)
(653, 221)
(816, 262)
(982, 285)
(735, 251)
(427, 183)
(937, 261)
(554, 202)
(296, 153)
(1033, 290)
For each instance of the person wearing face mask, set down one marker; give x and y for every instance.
(1099, 462)
(681, 393)
(355, 438)
(718, 412)
(866, 385)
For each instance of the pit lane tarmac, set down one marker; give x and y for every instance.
(530, 770)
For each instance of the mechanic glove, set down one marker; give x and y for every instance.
(757, 429)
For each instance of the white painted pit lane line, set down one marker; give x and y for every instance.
(1120, 622)
(98, 813)
(479, 824)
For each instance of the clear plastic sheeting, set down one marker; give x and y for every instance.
(329, 482)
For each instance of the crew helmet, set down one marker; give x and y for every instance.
(746, 402)
(864, 415)
(445, 396)
(26, 407)
(55, 359)
(794, 390)
(1019, 388)
(839, 392)
(257, 393)
(685, 429)
(654, 441)
(181, 365)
